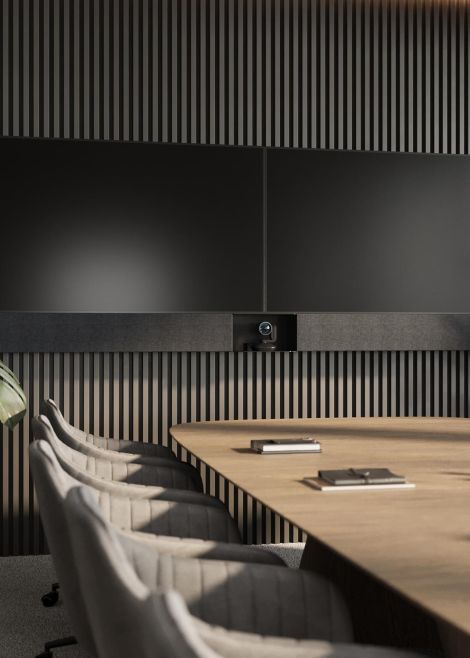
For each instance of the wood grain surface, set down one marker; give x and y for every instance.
(416, 542)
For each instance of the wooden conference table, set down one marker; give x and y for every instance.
(401, 558)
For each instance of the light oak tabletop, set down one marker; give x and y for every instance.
(417, 541)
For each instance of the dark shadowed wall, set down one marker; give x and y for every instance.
(376, 75)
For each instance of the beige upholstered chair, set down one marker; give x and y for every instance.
(239, 596)
(78, 466)
(199, 531)
(52, 484)
(130, 615)
(131, 469)
(87, 469)
(210, 548)
(79, 440)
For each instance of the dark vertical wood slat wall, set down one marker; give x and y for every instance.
(380, 75)
(383, 75)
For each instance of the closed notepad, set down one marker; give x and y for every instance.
(285, 446)
(361, 477)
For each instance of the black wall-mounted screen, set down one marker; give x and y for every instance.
(140, 228)
(368, 232)
(127, 227)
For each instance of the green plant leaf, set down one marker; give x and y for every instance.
(12, 398)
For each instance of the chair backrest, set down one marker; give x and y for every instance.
(126, 617)
(88, 462)
(75, 464)
(95, 444)
(77, 439)
(67, 456)
(52, 484)
(68, 434)
(110, 465)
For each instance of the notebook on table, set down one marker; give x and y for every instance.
(285, 446)
(359, 479)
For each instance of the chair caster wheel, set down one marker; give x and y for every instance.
(51, 598)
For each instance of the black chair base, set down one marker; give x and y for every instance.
(51, 598)
(56, 644)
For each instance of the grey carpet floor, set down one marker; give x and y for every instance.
(25, 624)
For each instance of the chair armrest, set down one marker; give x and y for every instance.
(140, 491)
(125, 447)
(207, 550)
(160, 473)
(162, 517)
(93, 448)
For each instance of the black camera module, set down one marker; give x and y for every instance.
(265, 328)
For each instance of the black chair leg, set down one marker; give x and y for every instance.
(51, 598)
(56, 644)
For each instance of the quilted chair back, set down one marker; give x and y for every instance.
(127, 618)
(52, 484)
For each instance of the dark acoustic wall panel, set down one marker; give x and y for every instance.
(372, 75)
(384, 75)
(116, 332)
(382, 331)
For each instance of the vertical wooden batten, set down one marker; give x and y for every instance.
(384, 75)
(139, 395)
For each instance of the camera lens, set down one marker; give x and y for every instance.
(265, 328)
